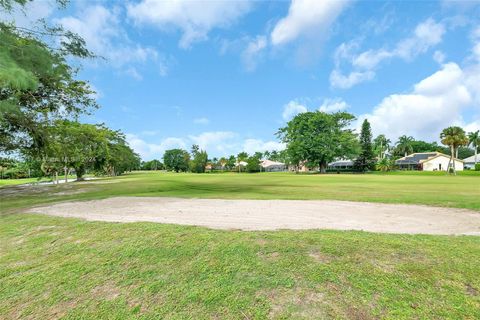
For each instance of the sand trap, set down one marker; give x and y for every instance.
(274, 214)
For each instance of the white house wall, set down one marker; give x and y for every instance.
(433, 164)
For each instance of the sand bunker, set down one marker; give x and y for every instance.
(274, 214)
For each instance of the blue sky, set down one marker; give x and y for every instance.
(227, 75)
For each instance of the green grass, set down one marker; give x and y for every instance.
(53, 267)
(73, 269)
(12, 182)
(435, 189)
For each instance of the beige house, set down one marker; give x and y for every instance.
(428, 161)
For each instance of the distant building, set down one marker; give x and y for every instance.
(342, 164)
(272, 166)
(469, 163)
(428, 161)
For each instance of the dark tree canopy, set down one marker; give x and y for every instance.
(37, 83)
(366, 159)
(176, 160)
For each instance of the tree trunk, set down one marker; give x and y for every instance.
(323, 167)
(56, 177)
(65, 169)
(452, 160)
(475, 159)
(80, 171)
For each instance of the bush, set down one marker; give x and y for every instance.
(477, 166)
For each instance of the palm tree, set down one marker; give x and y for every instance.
(404, 145)
(474, 141)
(385, 165)
(382, 145)
(453, 137)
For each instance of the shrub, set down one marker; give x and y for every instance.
(477, 166)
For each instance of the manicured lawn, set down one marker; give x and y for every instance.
(67, 268)
(11, 182)
(436, 189)
(53, 267)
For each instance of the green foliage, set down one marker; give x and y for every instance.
(385, 165)
(71, 144)
(381, 145)
(477, 166)
(366, 159)
(454, 137)
(318, 138)
(176, 160)
(38, 85)
(404, 145)
(152, 165)
(199, 161)
(253, 164)
(242, 156)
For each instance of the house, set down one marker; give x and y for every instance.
(469, 163)
(342, 164)
(428, 161)
(272, 166)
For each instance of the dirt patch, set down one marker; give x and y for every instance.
(295, 303)
(274, 214)
(107, 291)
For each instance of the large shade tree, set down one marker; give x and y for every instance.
(176, 160)
(317, 138)
(453, 137)
(38, 85)
(79, 146)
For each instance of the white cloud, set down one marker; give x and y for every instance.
(291, 109)
(201, 120)
(338, 80)
(149, 151)
(333, 105)
(194, 18)
(439, 57)
(436, 102)
(251, 53)
(216, 141)
(306, 18)
(101, 29)
(253, 145)
(426, 35)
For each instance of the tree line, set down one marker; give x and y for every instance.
(316, 138)
(41, 100)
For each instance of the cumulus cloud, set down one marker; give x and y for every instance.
(101, 29)
(291, 109)
(338, 80)
(215, 141)
(252, 52)
(253, 145)
(435, 102)
(333, 105)
(426, 35)
(148, 151)
(195, 19)
(306, 18)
